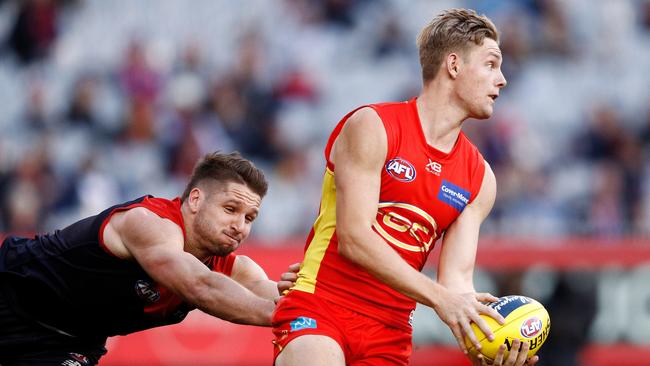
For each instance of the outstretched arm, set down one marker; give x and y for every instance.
(157, 245)
(250, 275)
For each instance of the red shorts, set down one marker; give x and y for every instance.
(364, 341)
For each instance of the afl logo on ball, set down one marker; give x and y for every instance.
(531, 327)
(401, 170)
(147, 291)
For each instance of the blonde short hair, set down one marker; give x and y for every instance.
(453, 30)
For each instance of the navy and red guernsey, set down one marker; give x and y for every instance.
(87, 290)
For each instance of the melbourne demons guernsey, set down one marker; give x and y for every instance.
(423, 190)
(69, 281)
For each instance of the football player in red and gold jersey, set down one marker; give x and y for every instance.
(398, 177)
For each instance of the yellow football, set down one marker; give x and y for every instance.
(526, 319)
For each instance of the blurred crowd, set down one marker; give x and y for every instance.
(104, 101)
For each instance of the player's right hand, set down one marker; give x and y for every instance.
(458, 311)
(516, 357)
(288, 279)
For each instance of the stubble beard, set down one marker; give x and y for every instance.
(209, 238)
(222, 251)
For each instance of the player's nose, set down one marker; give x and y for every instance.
(501, 80)
(238, 223)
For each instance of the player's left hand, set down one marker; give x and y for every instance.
(515, 358)
(288, 279)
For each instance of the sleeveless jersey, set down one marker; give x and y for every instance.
(68, 280)
(423, 190)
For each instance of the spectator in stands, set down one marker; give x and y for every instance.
(139, 79)
(34, 30)
(603, 136)
(81, 110)
(36, 118)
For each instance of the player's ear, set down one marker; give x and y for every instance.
(452, 63)
(194, 199)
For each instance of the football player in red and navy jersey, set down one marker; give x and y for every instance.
(135, 266)
(398, 177)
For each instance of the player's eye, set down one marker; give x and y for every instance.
(229, 209)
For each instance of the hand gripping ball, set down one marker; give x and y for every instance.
(526, 319)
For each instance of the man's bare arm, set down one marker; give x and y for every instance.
(250, 275)
(358, 155)
(459, 244)
(157, 245)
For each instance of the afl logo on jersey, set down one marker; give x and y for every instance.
(147, 291)
(401, 170)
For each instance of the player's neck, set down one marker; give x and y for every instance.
(191, 244)
(440, 117)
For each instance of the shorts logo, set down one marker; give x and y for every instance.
(147, 291)
(453, 195)
(531, 327)
(401, 169)
(303, 322)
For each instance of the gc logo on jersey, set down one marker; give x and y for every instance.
(405, 226)
(401, 169)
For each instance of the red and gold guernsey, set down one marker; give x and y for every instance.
(423, 190)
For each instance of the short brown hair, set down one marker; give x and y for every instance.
(451, 31)
(225, 168)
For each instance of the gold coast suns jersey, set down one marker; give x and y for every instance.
(423, 190)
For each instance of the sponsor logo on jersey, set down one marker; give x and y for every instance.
(453, 195)
(401, 170)
(303, 322)
(434, 167)
(147, 291)
(531, 327)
